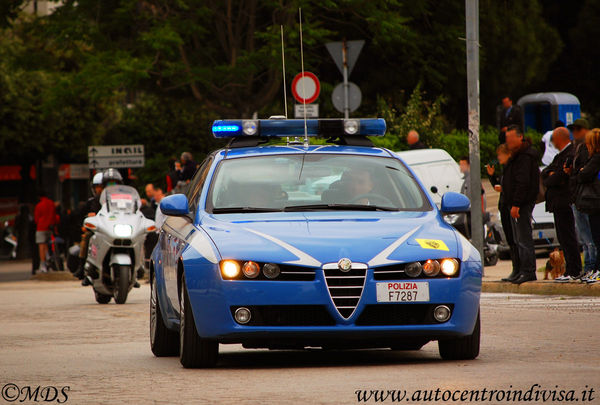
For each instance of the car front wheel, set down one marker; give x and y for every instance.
(462, 348)
(194, 351)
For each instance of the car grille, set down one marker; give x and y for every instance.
(288, 315)
(398, 314)
(345, 288)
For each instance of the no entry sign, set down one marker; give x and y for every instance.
(306, 88)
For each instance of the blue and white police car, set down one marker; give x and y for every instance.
(282, 244)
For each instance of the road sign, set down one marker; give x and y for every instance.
(117, 156)
(336, 50)
(306, 88)
(354, 97)
(312, 111)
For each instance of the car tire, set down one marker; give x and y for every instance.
(102, 298)
(462, 348)
(194, 351)
(163, 341)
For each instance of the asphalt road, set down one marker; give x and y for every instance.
(54, 334)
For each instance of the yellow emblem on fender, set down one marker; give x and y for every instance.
(432, 244)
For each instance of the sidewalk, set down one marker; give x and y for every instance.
(20, 270)
(492, 283)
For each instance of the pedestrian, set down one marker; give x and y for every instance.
(91, 208)
(172, 175)
(549, 150)
(45, 218)
(588, 194)
(160, 217)
(558, 202)
(579, 129)
(503, 154)
(188, 167)
(520, 185)
(149, 205)
(509, 115)
(412, 139)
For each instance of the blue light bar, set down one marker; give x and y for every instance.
(225, 128)
(295, 127)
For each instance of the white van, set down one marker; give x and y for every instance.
(434, 167)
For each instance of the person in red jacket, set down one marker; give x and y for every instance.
(45, 218)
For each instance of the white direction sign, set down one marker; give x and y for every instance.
(312, 111)
(117, 156)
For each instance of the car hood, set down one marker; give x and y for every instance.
(312, 239)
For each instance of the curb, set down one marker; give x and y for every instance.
(543, 288)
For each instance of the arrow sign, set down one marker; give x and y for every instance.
(336, 50)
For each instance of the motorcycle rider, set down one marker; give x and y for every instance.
(91, 208)
(109, 177)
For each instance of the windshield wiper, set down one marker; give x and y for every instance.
(340, 207)
(230, 210)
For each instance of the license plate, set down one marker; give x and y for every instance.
(401, 291)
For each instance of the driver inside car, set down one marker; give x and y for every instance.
(359, 185)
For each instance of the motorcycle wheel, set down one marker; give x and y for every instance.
(102, 298)
(121, 288)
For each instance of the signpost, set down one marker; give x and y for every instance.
(472, 22)
(345, 54)
(354, 97)
(306, 90)
(116, 156)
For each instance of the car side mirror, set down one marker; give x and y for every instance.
(175, 205)
(453, 203)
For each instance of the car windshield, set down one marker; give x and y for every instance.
(120, 198)
(314, 182)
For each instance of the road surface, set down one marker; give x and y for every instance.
(54, 334)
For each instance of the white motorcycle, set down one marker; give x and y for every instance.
(115, 250)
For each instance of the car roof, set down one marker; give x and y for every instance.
(424, 156)
(231, 153)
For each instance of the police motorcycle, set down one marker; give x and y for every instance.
(115, 250)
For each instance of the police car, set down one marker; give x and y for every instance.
(283, 244)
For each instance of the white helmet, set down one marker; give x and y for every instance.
(96, 181)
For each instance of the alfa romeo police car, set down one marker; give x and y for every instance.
(292, 245)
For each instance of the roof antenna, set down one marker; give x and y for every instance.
(303, 80)
(283, 63)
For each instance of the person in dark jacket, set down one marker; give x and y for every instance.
(188, 167)
(558, 201)
(589, 174)
(580, 128)
(510, 115)
(520, 185)
(503, 154)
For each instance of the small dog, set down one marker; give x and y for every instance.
(555, 265)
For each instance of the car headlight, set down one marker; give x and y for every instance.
(251, 269)
(413, 269)
(449, 267)
(431, 268)
(123, 230)
(230, 269)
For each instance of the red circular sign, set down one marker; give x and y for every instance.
(308, 84)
